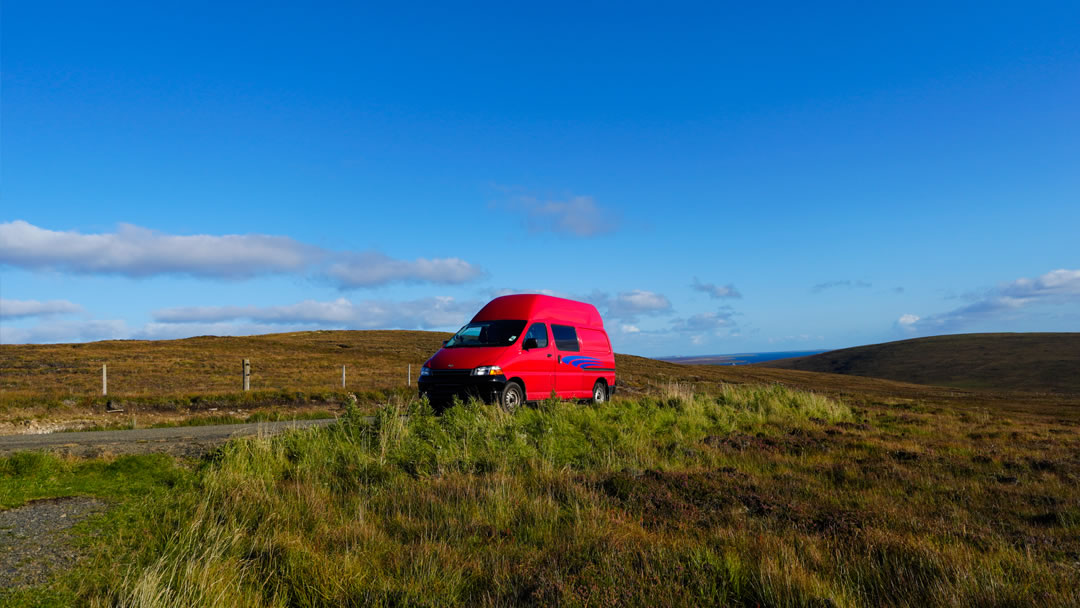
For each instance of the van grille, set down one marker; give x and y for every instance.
(451, 372)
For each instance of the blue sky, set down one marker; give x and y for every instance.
(715, 177)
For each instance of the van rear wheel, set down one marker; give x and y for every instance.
(599, 392)
(512, 397)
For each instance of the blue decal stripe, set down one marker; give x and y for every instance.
(583, 362)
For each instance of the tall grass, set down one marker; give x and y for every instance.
(682, 498)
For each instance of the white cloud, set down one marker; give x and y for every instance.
(629, 329)
(20, 309)
(629, 305)
(715, 291)
(577, 215)
(427, 313)
(908, 320)
(138, 252)
(52, 331)
(372, 268)
(1056, 283)
(1007, 300)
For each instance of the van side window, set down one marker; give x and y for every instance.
(593, 341)
(565, 337)
(538, 331)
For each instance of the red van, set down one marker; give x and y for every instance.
(524, 348)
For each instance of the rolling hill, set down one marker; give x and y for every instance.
(1032, 362)
(306, 366)
(311, 361)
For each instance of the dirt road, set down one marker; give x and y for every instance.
(180, 441)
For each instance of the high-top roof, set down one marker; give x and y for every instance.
(540, 307)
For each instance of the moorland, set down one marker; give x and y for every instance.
(696, 485)
(1035, 362)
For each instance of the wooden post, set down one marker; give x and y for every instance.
(104, 379)
(342, 376)
(409, 381)
(247, 375)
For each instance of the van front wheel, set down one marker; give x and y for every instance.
(511, 397)
(599, 392)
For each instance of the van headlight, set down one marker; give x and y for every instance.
(487, 370)
(425, 371)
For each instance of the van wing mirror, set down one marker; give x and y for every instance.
(530, 343)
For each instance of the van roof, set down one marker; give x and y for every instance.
(537, 306)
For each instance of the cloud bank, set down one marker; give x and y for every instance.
(627, 306)
(22, 309)
(426, 313)
(1054, 288)
(137, 252)
(184, 322)
(371, 269)
(65, 331)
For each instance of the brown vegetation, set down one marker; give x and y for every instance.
(304, 369)
(1032, 362)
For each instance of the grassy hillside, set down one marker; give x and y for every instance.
(208, 364)
(192, 375)
(1037, 362)
(743, 496)
(698, 485)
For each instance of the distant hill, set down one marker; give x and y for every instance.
(1040, 362)
(738, 358)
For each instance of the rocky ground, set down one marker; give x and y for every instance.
(35, 541)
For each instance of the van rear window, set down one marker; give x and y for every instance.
(565, 337)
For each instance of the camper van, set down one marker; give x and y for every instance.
(523, 348)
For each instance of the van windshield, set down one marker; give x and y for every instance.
(487, 333)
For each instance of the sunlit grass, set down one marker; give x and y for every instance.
(755, 495)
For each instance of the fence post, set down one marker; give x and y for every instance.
(247, 375)
(409, 381)
(104, 379)
(342, 376)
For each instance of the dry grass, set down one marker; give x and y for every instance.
(190, 376)
(691, 494)
(302, 361)
(750, 496)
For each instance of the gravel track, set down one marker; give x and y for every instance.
(178, 441)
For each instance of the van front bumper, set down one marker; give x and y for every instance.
(441, 389)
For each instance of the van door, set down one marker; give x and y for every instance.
(536, 366)
(568, 377)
